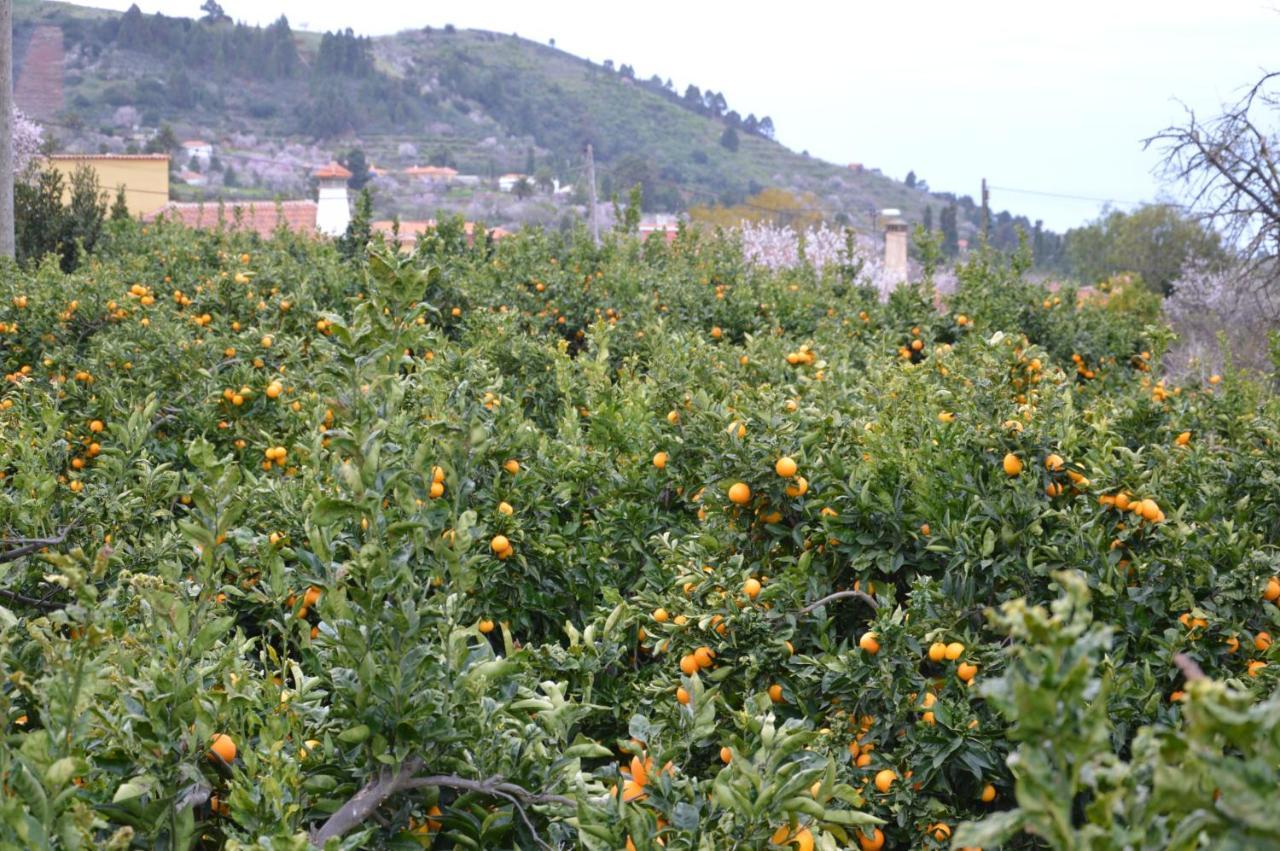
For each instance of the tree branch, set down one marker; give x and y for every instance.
(27, 546)
(840, 595)
(365, 803)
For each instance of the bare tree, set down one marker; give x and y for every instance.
(1231, 165)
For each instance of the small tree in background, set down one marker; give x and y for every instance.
(356, 163)
(120, 207)
(351, 245)
(43, 225)
(729, 139)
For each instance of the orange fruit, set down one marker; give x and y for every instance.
(869, 643)
(1053, 463)
(988, 793)
(775, 693)
(941, 832)
(660, 460)
(874, 842)
(682, 696)
(688, 665)
(96, 426)
(739, 493)
(953, 651)
(751, 587)
(1183, 439)
(1272, 591)
(661, 616)
(312, 596)
(799, 488)
(966, 671)
(1255, 666)
(726, 755)
(1262, 641)
(512, 466)
(937, 651)
(504, 507)
(704, 657)
(224, 746)
(885, 779)
(785, 467)
(1012, 464)
(486, 626)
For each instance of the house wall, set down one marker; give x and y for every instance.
(145, 179)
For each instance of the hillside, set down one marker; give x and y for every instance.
(275, 101)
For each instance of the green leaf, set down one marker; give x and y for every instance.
(210, 633)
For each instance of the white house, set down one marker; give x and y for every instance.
(333, 209)
(507, 182)
(198, 149)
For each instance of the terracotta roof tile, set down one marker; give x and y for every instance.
(411, 229)
(262, 217)
(108, 156)
(333, 169)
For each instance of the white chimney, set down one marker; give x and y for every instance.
(333, 208)
(895, 246)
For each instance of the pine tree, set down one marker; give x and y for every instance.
(351, 245)
(120, 208)
(950, 234)
(928, 218)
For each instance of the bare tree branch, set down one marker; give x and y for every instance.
(27, 546)
(364, 804)
(840, 595)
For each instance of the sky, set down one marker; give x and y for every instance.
(1036, 97)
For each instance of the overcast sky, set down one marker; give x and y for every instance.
(1051, 98)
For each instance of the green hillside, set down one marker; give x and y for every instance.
(275, 100)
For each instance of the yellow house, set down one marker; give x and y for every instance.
(145, 177)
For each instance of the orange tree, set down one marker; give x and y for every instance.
(539, 544)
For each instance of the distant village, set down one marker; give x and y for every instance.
(149, 181)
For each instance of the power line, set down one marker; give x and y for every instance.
(1085, 197)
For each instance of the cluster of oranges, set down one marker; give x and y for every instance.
(278, 454)
(1143, 509)
(802, 356)
(501, 547)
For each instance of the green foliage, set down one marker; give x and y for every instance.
(261, 485)
(44, 224)
(1155, 242)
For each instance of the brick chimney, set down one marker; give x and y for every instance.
(895, 246)
(333, 208)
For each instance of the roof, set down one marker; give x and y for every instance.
(431, 171)
(189, 176)
(108, 157)
(512, 176)
(263, 217)
(196, 143)
(333, 170)
(411, 229)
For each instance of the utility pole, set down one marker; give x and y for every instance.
(6, 128)
(591, 179)
(986, 211)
